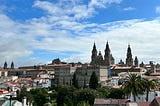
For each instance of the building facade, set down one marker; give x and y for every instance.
(84, 73)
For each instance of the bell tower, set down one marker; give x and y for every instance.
(94, 55)
(129, 59)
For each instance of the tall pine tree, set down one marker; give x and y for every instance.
(93, 83)
(75, 81)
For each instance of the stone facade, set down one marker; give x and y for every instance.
(84, 73)
(63, 74)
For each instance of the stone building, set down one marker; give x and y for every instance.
(116, 70)
(84, 73)
(24, 73)
(63, 74)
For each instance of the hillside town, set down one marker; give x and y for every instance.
(109, 74)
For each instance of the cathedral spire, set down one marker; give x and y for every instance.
(97, 58)
(94, 47)
(12, 65)
(100, 58)
(136, 61)
(94, 55)
(107, 55)
(5, 65)
(107, 48)
(129, 59)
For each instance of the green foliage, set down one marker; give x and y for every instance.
(68, 96)
(86, 95)
(133, 85)
(83, 104)
(36, 96)
(148, 85)
(137, 85)
(116, 93)
(53, 95)
(40, 96)
(54, 103)
(104, 91)
(24, 93)
(64, 96)
(93, 83)
(68, 101)
(75, 81)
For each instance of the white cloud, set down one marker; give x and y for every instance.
(102, 3)
(12, 45)
(129, 9)
(73, 10)
(158, 9)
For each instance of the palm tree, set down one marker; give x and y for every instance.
(132, 85)
(148, 85)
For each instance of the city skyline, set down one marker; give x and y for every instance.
(37, 31)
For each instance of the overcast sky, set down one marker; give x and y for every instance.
(35, 32)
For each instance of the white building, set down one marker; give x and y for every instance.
(42, 80)
(142, 97)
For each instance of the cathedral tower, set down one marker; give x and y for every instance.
(107, 55)
(108, 58)
(94, 55)
(100, 59)
(97, 59)
(136, 62)
(129, 59)
(5, 65)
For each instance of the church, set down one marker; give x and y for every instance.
(97, 58)
(108, 59)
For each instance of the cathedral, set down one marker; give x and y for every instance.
(97, 58)
(107, 60)
(129, 59)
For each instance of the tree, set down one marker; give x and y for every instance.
(148, 85)
(83, 104)
(86, 95)
(104, 91)
(132, 85)
(93, 83)
(24, 93)
(40, 96)
(116, 93)
(64, 96)
(75, 81)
